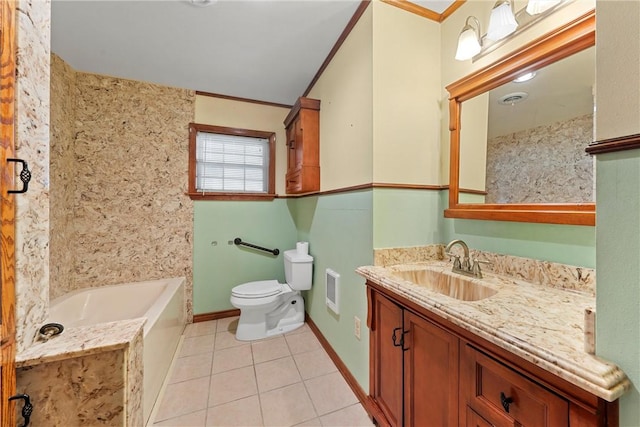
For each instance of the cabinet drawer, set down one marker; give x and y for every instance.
(504, 397)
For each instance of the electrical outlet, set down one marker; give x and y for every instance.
(356, 327)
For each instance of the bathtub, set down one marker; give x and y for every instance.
(160, 301)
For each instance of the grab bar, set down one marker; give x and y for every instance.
(238, 241)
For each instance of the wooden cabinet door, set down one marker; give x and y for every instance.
(430, 374)
(386, 381)
(7, 214)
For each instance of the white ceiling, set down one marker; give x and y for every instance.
(267, 50)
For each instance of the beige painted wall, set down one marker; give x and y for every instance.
(346, 115)
(406, 93)
(453, 70)
(618, 90)
(473, 143)
(246, 115)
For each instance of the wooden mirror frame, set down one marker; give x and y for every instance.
(571, 38)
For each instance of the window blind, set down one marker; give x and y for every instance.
(230, 163)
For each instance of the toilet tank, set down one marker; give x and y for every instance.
(298, 270)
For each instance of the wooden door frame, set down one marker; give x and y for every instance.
(7, 211)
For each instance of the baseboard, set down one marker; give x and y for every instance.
(204, 317)
(353, 383)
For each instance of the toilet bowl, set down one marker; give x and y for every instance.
(268, 307)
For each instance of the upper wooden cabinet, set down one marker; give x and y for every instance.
(303, 146)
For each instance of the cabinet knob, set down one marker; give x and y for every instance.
(506, 401)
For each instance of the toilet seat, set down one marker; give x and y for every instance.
(258, 289)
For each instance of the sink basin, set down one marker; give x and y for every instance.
(447, 283)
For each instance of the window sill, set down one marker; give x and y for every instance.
(232, 196)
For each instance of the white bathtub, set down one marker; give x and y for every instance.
(160, 301)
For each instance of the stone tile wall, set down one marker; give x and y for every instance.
(33, 19)
(546, 164)
(131, 219)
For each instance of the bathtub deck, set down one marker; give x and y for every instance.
(285, 381)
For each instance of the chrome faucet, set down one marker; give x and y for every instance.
(465, 266)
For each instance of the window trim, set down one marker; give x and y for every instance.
(194, 128)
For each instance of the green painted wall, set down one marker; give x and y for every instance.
(618, 266)
(406, 218)
(339, 230)
(566, 244)
(218, 268)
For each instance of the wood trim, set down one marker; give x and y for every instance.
(408, 186)
(236, 98)
(423, 11)
(7, 213)
(204, 317)
(368, 187)
(232, 196)
(345, 33)
(342, 368)
(621, 143)
(194, 128)
(415, 9)
(564, 41)
(449, 11)
(471, 191)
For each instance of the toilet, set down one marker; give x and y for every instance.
(268, 307)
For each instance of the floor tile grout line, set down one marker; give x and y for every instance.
(206, 414)
(254, 364)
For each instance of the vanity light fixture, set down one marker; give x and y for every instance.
(469, 41)
(502, 21)
(535, 7)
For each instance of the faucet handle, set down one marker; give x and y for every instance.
(456, 260)
(476, 267)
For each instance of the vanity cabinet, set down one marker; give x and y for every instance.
(428, 371)
(302, 126)
(414, 379)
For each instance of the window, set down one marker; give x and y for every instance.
(231, 164)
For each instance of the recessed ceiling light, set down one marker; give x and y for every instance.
(202, 3)
(525, 77)
(513, 98)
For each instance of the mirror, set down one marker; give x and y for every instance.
(518, 148)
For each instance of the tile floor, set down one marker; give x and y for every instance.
(288, 380)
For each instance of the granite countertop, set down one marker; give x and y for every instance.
(82, 341)
(541, 324)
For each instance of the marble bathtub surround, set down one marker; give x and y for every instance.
(542, 324)
(33, 21)
(544, 273)
(129, 226)
(89, 375)
(86, 390)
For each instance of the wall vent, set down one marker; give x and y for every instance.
(333, 290)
